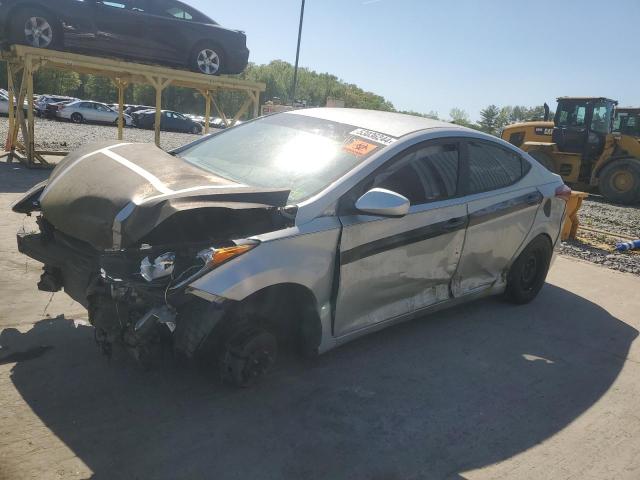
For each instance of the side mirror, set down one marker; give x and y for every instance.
(384, 203)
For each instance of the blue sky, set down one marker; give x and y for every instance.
(435, 55)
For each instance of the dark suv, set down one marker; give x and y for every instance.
(157, 31)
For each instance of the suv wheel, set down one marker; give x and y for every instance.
(35, 28)
(529, 272)
(207, 59)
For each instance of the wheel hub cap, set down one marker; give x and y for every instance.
(38, 33)
(622, 181)
(208, 61)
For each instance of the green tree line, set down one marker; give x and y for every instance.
(313, 87)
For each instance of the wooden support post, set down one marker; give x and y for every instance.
(159, 84)
(207, 112)
(121, 84)
(256, 104)
(31, 128)
(8, 146)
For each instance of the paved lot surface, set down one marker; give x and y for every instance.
(484, 391)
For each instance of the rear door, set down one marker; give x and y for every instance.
(393, 266)
(501, 213)
(122, 28)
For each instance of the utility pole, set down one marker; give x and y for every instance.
(295, 69)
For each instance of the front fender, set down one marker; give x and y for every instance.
(302, 255)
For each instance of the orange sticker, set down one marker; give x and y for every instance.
(359, 147)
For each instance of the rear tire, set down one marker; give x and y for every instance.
(36, 28)
(543, 159)
(529, 272)
(620, 181)
(77, 118)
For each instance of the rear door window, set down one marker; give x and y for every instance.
(493, 167)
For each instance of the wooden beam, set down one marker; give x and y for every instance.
(243, 109)
(121, 85)
(31, 127)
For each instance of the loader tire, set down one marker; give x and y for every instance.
(620, 181)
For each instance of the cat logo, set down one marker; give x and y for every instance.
(544, 131)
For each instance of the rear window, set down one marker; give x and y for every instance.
(288, 151)
(492, 167)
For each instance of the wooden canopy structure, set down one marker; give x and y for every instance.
(23, 62)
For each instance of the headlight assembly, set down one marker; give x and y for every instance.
(214, 257)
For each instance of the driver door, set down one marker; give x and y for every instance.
(393, 266)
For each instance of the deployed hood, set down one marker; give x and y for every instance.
(113, 194)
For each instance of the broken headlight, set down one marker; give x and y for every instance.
(160, 267)
(214, 257)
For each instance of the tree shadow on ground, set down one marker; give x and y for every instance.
(459, 390)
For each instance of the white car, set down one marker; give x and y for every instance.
(82, 111)
(306, 228)
(4, 103)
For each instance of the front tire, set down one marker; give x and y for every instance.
(247, 356)
(35, 28)
(207, 59)
(529, 272)
(620, 181)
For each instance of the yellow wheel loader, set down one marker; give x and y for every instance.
(582, 147)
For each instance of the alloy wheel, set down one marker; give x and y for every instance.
(208, 61)
(38, 33)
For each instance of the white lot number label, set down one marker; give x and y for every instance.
(377, 137)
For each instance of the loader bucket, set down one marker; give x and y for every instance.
(571, 221)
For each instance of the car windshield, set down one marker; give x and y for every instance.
(300, 153)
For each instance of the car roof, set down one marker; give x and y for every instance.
(388, 123)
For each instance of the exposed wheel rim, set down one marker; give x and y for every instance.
(622, 181)
(208, 61)
(38, 32)
(76, 118)
(532, 268)
(195, 130)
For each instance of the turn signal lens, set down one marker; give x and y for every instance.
(214, 257)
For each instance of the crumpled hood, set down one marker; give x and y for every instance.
(112, 194)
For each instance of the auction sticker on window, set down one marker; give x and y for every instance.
(359, 147)
(377, 137)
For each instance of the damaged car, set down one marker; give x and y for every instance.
(304, 229)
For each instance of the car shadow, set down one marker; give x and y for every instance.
(431, 398)
(16, 178)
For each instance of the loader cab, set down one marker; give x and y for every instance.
(581, 124)
(627, 122)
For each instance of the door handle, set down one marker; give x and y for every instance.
(533, 198)
(455, 223)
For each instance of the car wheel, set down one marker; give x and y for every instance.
(207, 59)
(35, 28)
(529, 272)
(247, 356)
(620, 181)
(77, 118)
(195, 130)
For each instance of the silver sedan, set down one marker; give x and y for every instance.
(306, 228)
(82, 111)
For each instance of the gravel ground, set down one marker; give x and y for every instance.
(600, 248)
(57, 135)
(595, 213)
